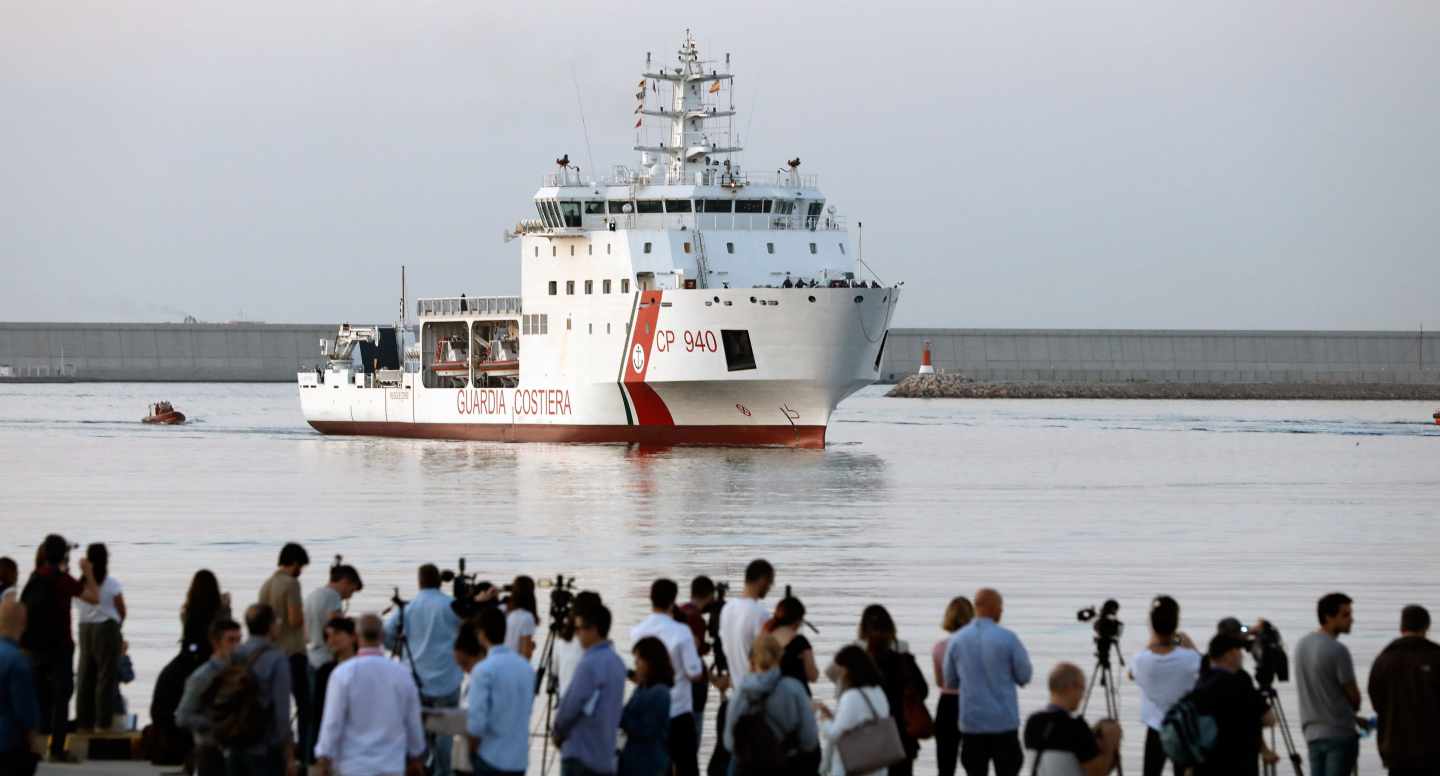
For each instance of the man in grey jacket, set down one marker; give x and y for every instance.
(190, 715)
(274, 753)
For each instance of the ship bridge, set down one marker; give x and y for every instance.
(688, 215)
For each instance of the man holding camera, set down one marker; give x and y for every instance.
(1228, 694)
(48, 640)
(1064, 744)
(1329, 694)
(429, 627)
(1164, 671)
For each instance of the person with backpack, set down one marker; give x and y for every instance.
(861, 700)
(1164, 671)
(48, 639)
(646, 716)
(1228, 696)
(769, 727)
(250, 702)
(192, 714)
(1064, 744)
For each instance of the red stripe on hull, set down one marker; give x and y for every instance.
(723, 436)
(650, 409)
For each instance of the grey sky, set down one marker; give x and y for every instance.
(1145, 164)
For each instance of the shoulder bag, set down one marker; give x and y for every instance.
(871, 746)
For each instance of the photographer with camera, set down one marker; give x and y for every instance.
(429, 627)
(1329, 694)
(1064, 744)
(48, 638)
(1164, 671)
(1228, 695)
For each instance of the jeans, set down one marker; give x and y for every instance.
(978, 750)
(300, 691)
(441, 746)
(99, 670)
(947, 733)
(1155, 754)
(1334, 756)
(54, 684)
(684, 746)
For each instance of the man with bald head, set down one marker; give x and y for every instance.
(19, 712)
(1064, 745)
(987, 663)
(371, 722)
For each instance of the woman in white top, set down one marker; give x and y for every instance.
(861, 700)
(100, 646)
(521, 617)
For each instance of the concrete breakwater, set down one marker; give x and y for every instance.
(1182, 357)
(951, 386)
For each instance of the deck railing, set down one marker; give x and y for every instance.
(468, 305)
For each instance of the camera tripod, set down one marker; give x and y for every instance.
(1104, 675)
(545, 675)
(402, 652)
(1272, 700)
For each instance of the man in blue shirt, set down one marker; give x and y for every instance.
(988, 663)
(19, 712)
(430, 627)
(589, 715)
(502, 690)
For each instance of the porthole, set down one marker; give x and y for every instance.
(859, 299)
(717, 298)
(812, 300)
(752, 300)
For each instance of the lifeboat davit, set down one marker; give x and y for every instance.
(163, 414)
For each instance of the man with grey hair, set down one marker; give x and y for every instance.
(371, 723)
(1064, 745)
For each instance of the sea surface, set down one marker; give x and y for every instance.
(1250, 509)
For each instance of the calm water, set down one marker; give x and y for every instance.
(1245, 509)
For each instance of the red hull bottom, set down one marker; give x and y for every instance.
(718, 436)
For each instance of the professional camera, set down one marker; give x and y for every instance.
(464, 588)
(562, 598)
(1268, 648)
(1108, 627)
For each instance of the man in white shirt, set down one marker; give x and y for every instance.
(743, 617)
(371, 723)
(684, 742)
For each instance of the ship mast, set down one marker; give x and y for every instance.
(691, 139)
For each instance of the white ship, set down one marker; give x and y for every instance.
(683, 302)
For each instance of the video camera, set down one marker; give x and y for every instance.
(1265, 644)
(562, 598)
(464, 587)
(1108, 627)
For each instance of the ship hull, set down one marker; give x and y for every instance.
(663, 372)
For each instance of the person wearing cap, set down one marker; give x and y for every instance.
(48, 639)
(1228, 694)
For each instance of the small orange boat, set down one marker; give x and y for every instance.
(1436, 416)
(163, 414)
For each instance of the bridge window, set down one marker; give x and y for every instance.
(620, 206)
(677, 206)
(784, 207)
(594, 207)
(570, 213)
(749, 206)
(569, 288)
(715, 205)
(589, 286)
(552, 288)
(649, 206)
(605, 286)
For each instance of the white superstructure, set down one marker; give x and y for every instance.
(685, 301)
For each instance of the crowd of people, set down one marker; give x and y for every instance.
(445, 686)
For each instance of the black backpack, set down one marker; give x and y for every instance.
(757, 748)
(239, 712)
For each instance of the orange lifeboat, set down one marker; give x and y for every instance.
(1436, 416)
(163, 414)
